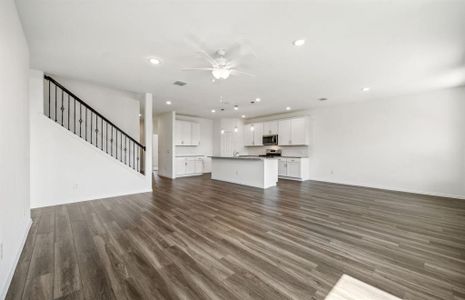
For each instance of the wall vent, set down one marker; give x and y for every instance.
(180, 83)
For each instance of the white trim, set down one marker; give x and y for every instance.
(379, 187)
(98, 198)
(18, 255)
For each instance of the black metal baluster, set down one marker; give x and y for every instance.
(121, 147)
(111, 141)
(133, 155)
(101, 130)
(80, 120)
(55, 103)
(62, 108)
(74, 119)
(68, 111)
(86, 123)
(91, 123)
(138, 152)
(129, 154)
(125, 149)
(49, 92)
(106, 136)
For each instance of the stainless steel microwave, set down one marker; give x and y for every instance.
(270, 140)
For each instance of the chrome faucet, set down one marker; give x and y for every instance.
(236, 153)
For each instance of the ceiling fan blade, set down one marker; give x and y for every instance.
(200, 48)
(236, 72)
(197, 69)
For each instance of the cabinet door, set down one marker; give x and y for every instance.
(190, 166)
(293, 168)
(298, 131)
(186, 133)
(198, 169)
(248, 135)
(284, 132)
(178, 131)
(258, 134)
(282, 167)
(270, 128)
(180, 166)
(195, 137)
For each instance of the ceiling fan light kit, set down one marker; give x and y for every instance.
(221, 73)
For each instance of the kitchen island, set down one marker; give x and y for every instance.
(261, 172)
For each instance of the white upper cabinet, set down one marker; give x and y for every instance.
(195, 141)
(270, 128)
(253, 134)
(248, 135)
(258, 134)
(284, 132)
(299, 131)
(293, 132)
(187, 133)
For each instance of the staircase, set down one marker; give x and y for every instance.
(71, 112)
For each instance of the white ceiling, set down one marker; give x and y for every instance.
(394, 47)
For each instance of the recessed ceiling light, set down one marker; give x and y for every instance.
(222, 131)
(236, 107)
(365, 89)
(243, 116)
(288, 108)
(258, 99)
(140, 115)
(236, 129)
(168, 102)
(154, 61)
(299, 43)
(213, 110)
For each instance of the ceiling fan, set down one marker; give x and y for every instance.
(222, 62)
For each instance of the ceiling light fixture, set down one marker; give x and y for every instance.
(258, 99)
(243, 116)
(213, 110)
(221, 73)
(168, 102)
(236, 107)
(140, 115)
(236, 129)
(154, 61)
(299, 43)
(365, 89)
(288, 108)
(222, 131)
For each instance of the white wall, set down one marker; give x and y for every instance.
(65, 168)
(120, 107)
(166, 148)
(14, 141)
(412, 143)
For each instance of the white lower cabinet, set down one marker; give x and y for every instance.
(293, 168)
(188, 166)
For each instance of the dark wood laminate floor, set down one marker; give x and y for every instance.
(195, 238)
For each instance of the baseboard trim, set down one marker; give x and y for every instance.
(97, 198)
(18, 255)
(444, 195)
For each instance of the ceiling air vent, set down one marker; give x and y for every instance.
(180, 83)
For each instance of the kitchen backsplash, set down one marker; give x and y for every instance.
(300, 151)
